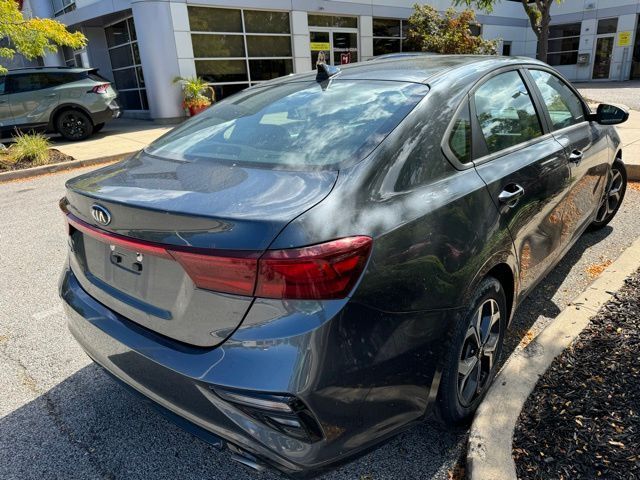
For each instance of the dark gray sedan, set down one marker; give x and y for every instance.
(315, 263)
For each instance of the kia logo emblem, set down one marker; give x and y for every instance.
(100, 214)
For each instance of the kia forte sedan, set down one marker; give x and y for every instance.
(318, 262)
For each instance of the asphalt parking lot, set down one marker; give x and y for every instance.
(61, 417)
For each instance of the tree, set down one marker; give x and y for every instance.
(429, 31)
(34, 37)
(538, 11)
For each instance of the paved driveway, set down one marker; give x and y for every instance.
(625, 93)
(61, 417)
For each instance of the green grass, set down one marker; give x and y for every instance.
(30, 147)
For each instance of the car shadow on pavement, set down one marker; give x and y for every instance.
(540, 301)
(89, 426)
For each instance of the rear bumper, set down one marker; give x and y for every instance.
(112, 111)
(359, 399)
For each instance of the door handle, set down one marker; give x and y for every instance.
(511, 194)
(576, 156)
(51, 95)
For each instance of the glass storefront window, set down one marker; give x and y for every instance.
(214, 46)
(386, 27)
(206, 19)
(264, 46)
(390, 36)
(235, 48)
(563, 44)
(266, 22)
(607, 25)
(334, 21)
(268, 69)
(126, 65)
(60, 7)
(214, 71)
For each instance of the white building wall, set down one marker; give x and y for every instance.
(159, 56)
(300, 40)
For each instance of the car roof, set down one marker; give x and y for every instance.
(50, 69)
(418, 68)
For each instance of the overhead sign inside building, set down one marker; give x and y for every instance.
(320, 46)
(624, 39)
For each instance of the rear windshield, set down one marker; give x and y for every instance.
(294, 124)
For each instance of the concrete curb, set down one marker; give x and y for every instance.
(489, 454)
(633, 170)
(58, 167)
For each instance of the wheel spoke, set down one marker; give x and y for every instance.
(466, 366)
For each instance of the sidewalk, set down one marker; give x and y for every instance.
(119, 137)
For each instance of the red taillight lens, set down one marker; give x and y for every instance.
(324, 271)
(101, 88)
(221, 274)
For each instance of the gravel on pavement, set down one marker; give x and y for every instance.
(62, 417)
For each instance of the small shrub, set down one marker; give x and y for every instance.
(31, 147)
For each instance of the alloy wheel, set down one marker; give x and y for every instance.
(74, 126)
(478, 354)
(612, 195)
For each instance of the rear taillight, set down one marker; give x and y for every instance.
(101, 88)
(323, 271)
(221, 274)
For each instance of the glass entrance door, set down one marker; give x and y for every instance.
(336, 46)
(602, 58)
(345, 47)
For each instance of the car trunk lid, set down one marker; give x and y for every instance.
(161, 212)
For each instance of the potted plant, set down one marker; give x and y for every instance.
(194, 90)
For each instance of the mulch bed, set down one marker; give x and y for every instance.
(582, 421)
(55, 156)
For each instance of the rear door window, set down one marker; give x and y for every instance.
(27, 82)
(564, 106)
(295, 124)
(460, 136)
(505, 112)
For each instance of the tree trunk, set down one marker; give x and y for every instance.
(543, 37)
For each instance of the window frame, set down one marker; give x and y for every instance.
(586, 111)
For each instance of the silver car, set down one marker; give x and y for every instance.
(74, 102)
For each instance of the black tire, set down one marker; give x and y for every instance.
(74, 125)
(461, 393)
(98, 127)
(613, 195)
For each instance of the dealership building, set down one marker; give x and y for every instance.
(142, 45)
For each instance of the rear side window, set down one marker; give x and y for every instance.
(303, 124)
(460, 137)
(26, 82)
(505, 112)
(564, 107)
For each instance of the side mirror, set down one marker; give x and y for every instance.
(610, 114)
